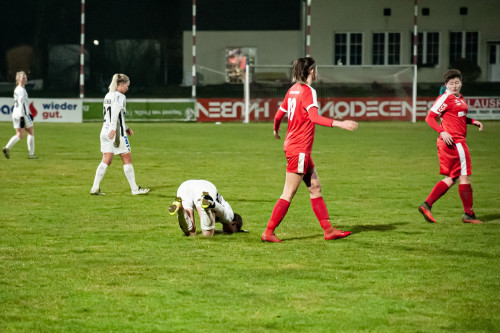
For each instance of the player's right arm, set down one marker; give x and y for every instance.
(279, 116)
(436, 110)
(277, 122)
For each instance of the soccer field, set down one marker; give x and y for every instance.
(72, 262)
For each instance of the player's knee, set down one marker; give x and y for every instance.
(315, 189)
(207, 233)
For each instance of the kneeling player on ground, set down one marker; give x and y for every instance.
(202, 195)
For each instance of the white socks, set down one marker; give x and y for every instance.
(31, 145)
(99, 175)
(130, 174)
(101, 171)
(12, 142)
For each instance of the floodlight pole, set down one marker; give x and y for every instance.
(193, 70)
(82, 51)
(415, 44)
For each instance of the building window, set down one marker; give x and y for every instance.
(386, 48)
(464, 45)
(493, 54)
(348, 48)
(427, 49)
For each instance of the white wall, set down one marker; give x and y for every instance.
(365, 16)
(273, 47)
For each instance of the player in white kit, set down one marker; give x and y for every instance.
(21, 117)
(114, 140)
(203, 196)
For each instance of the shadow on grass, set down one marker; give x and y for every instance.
(489, 217)
(355, 229)
(302, 237)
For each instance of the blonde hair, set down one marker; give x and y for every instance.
(117, 80)
(19, 76)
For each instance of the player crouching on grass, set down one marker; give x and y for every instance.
(203, 196)
(453, 153)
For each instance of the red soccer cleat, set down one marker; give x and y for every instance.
(470, 219)
(270, 238)
(333, 233)
(425, 209)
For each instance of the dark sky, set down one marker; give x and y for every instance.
(58, 21)
(41, 23)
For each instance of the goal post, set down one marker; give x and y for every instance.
(359, 92)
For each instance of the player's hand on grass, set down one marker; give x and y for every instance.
(130, 132)
(349, 125)
(447, 138)
(276, 135)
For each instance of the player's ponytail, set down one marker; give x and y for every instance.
(117, 79)
(301, 69)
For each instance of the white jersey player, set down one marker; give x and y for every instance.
(114, 140)
(21, 117)
(114, 111)
(203, 196)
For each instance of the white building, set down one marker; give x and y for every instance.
(366, 32)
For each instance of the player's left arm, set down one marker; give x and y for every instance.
(349, 125)
(475, 123)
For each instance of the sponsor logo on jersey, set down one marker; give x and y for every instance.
(442, 107)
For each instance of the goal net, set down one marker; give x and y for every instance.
(355, 92)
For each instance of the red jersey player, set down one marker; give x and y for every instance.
(301, 105)
(453, 153)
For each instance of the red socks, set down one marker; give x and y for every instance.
(465, 191)
(319, 208)
(279, 212)
(281, 208)
(437, 192)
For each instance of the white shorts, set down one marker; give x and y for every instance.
(108, 147)
(190, 192)
(23, 121)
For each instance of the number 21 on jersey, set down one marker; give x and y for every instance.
(292, 103)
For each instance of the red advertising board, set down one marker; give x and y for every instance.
(357, 108)
(377, 109)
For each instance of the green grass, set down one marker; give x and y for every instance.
(71, 262)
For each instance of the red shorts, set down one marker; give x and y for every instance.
(454, 160)
(299, 163)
